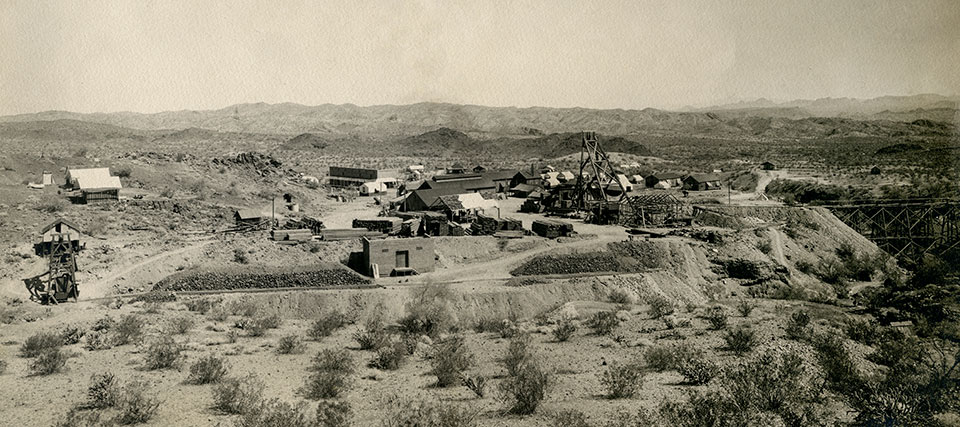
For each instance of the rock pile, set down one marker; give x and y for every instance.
(255, 277)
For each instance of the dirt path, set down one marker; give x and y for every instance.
(776, 243)
(103, 286)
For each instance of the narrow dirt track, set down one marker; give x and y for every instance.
(101, 287)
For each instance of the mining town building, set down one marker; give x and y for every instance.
(393, 257)
(93, 184)
(701, 182)
(664, 180)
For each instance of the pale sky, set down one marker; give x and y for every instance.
(149, 56)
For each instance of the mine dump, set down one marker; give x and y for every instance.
(754, 263)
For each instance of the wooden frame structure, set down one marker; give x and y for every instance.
(906, 229)
(596, 175)
(644, 210)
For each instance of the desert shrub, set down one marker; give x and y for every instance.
(740, 340)
(333, 414)
(290, 344)
(237, 395)
(325, 325)
(429, 414)
(208, 369)
(604, 322)
(838, 366)
(201, 305)
(104, 391)
(697, 370)
(487, 324)
(744, 307)
(797, 327)
(275, 413)
(524, 390)
(243, 308)
(122, 171)
(330, 376)
(508, 329)
(180, 325)
(672, 322)
(40, 342)
(806, 267)
(764, 247)
(777, 384)
(450, 358)
(134, 405)
(565, 329)
(389, 357)
(373, 334)
(98, 340)
(518, 352)
(253, 327)
(621, 380)
(3, 366)
(621, 296)
(51, 204)
(862, 331)
(49, 361)
(129, 329)
(77, 417)
(272, 321)
(641, 418)
(659, 358)
(333, 360)
(660, 306)
(103, 324)
(430, 310)
(240, 256)
(569, 418)
(218, 314)
(71, 335)
(477, 384)
(717, 317)
(162, 353)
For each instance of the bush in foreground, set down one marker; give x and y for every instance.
(604, 322)
(208, 369)
(798, 326)
(163, 353)
(429, 414)
(135, 405)
(621, 380)
(334, 414)
(129, 330)
(50, 361)
(275, 413)
(103, 392)
(697, 370)
(449, 359)
(237, 395)
(290, 344)
(717, 317)
(389, 357)
(39, 343)
(740, 340)
(429, 311)
(524, 391)
(325, 325)
(564, 330)
(330, 376)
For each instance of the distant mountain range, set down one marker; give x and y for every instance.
(897, 108)
(761, 118)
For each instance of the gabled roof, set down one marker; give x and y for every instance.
(456, 177)
(59, 221)
(500, 175)
(92, 178)
(667, 175)
(460, 186)
(525, 188)
(247, 214)
(457, 165)
(703, 177)
(526, 175)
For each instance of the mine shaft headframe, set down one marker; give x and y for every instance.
(594, 161)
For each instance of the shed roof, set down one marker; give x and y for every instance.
(668, 175)
(703, 177)
(247, 214)
(59, 221)
(464, 201)
(525, 188)
(500, 175)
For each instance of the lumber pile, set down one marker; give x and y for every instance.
(386, 225)
(261, 277)
(454, 229)
(551, 229)
(485, 225)
(312, 223)
(436, 224)
(297, 235)
(329, 234)
(410, 227)
(532, 206)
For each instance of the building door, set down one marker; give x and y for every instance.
(403, 259)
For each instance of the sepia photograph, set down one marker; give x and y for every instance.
(480, 213)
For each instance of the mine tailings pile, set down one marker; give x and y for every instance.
(323, 276)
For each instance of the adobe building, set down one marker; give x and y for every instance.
(398, 257)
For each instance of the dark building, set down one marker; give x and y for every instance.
(247, 217)
(665, 179)
(701, 181)
(382, 257)
(767, 166)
